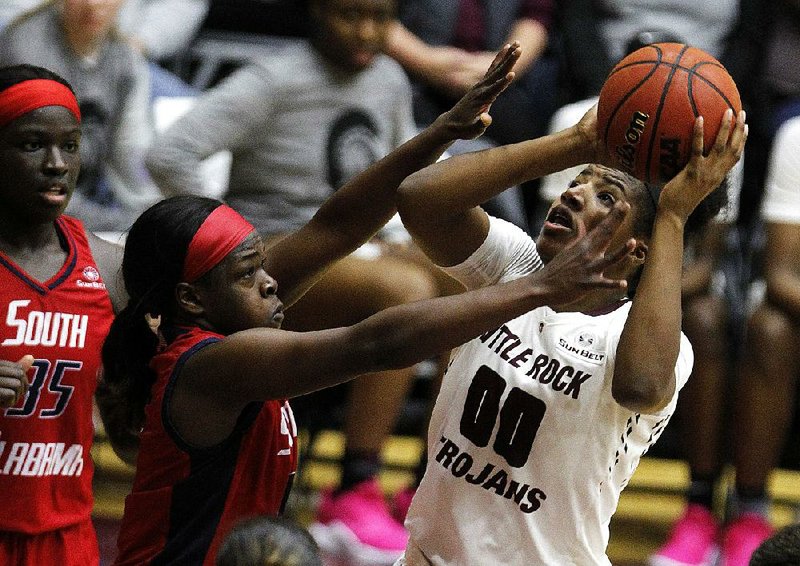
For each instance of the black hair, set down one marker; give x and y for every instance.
(15, 74)
(647, 204)
(781, 549)
(268, 541)
(155, 250)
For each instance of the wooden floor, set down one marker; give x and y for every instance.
(648, 506)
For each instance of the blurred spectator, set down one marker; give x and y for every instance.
(763, 59)
(77, 39)
(767, 385)
(444, 47)
(299, 122)
(596, 33)
(160, 29)
(713, 313)
(268, 541)
(768, 366)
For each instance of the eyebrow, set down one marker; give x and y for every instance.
(611, 180)
(36, 129)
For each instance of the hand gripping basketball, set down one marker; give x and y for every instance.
(649, 103)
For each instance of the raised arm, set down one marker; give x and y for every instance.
(440, 204)
(356, 211)
(644, 376)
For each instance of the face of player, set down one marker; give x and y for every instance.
(585, 202)
(240, 295)
(352, 32)
(40, 161)
(90, 20)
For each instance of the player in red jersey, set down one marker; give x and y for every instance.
(218, 440)
(56, 302)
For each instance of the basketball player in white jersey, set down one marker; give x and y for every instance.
(540, 423)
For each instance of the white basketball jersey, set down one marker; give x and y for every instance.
(527, 449)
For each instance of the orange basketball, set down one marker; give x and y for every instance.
(649, 102)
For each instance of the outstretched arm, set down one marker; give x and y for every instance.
(356, 211)
(440, 204)
(270, 363)
(644, 376)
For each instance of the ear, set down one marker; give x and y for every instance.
(189, 299)
(639, 253)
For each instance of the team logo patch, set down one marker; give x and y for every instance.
(90, 273)
(91, 278)
(583, 344)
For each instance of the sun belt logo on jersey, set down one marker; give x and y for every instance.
(584, 344)
(91, 278)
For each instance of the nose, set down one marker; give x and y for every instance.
(268, 286)
(573, 197)
(55, 163)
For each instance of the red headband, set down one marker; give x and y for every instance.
(218, 235)
(29, 95)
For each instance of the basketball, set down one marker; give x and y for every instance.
(649, 102)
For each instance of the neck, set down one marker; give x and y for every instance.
(598, 302)
(16, 236)
(82, 44)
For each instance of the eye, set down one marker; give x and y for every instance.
(573, 183)
(607, 197)
(32, 145)
(72, 146)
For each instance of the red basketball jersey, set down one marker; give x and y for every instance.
(45, 465)
(185, 500)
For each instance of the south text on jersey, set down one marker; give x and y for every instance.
(37, 328)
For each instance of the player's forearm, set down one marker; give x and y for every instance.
(650, 341)
(403, 335)
(465, 181)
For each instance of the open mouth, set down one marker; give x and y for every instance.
(560, 216)
(54, 195)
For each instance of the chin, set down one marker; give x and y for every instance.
(547, 248)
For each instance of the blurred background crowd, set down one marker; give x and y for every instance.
(274, 104)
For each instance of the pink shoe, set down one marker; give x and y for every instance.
(401, 503)
(692, 540)
(357, 528)
(742, 538)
